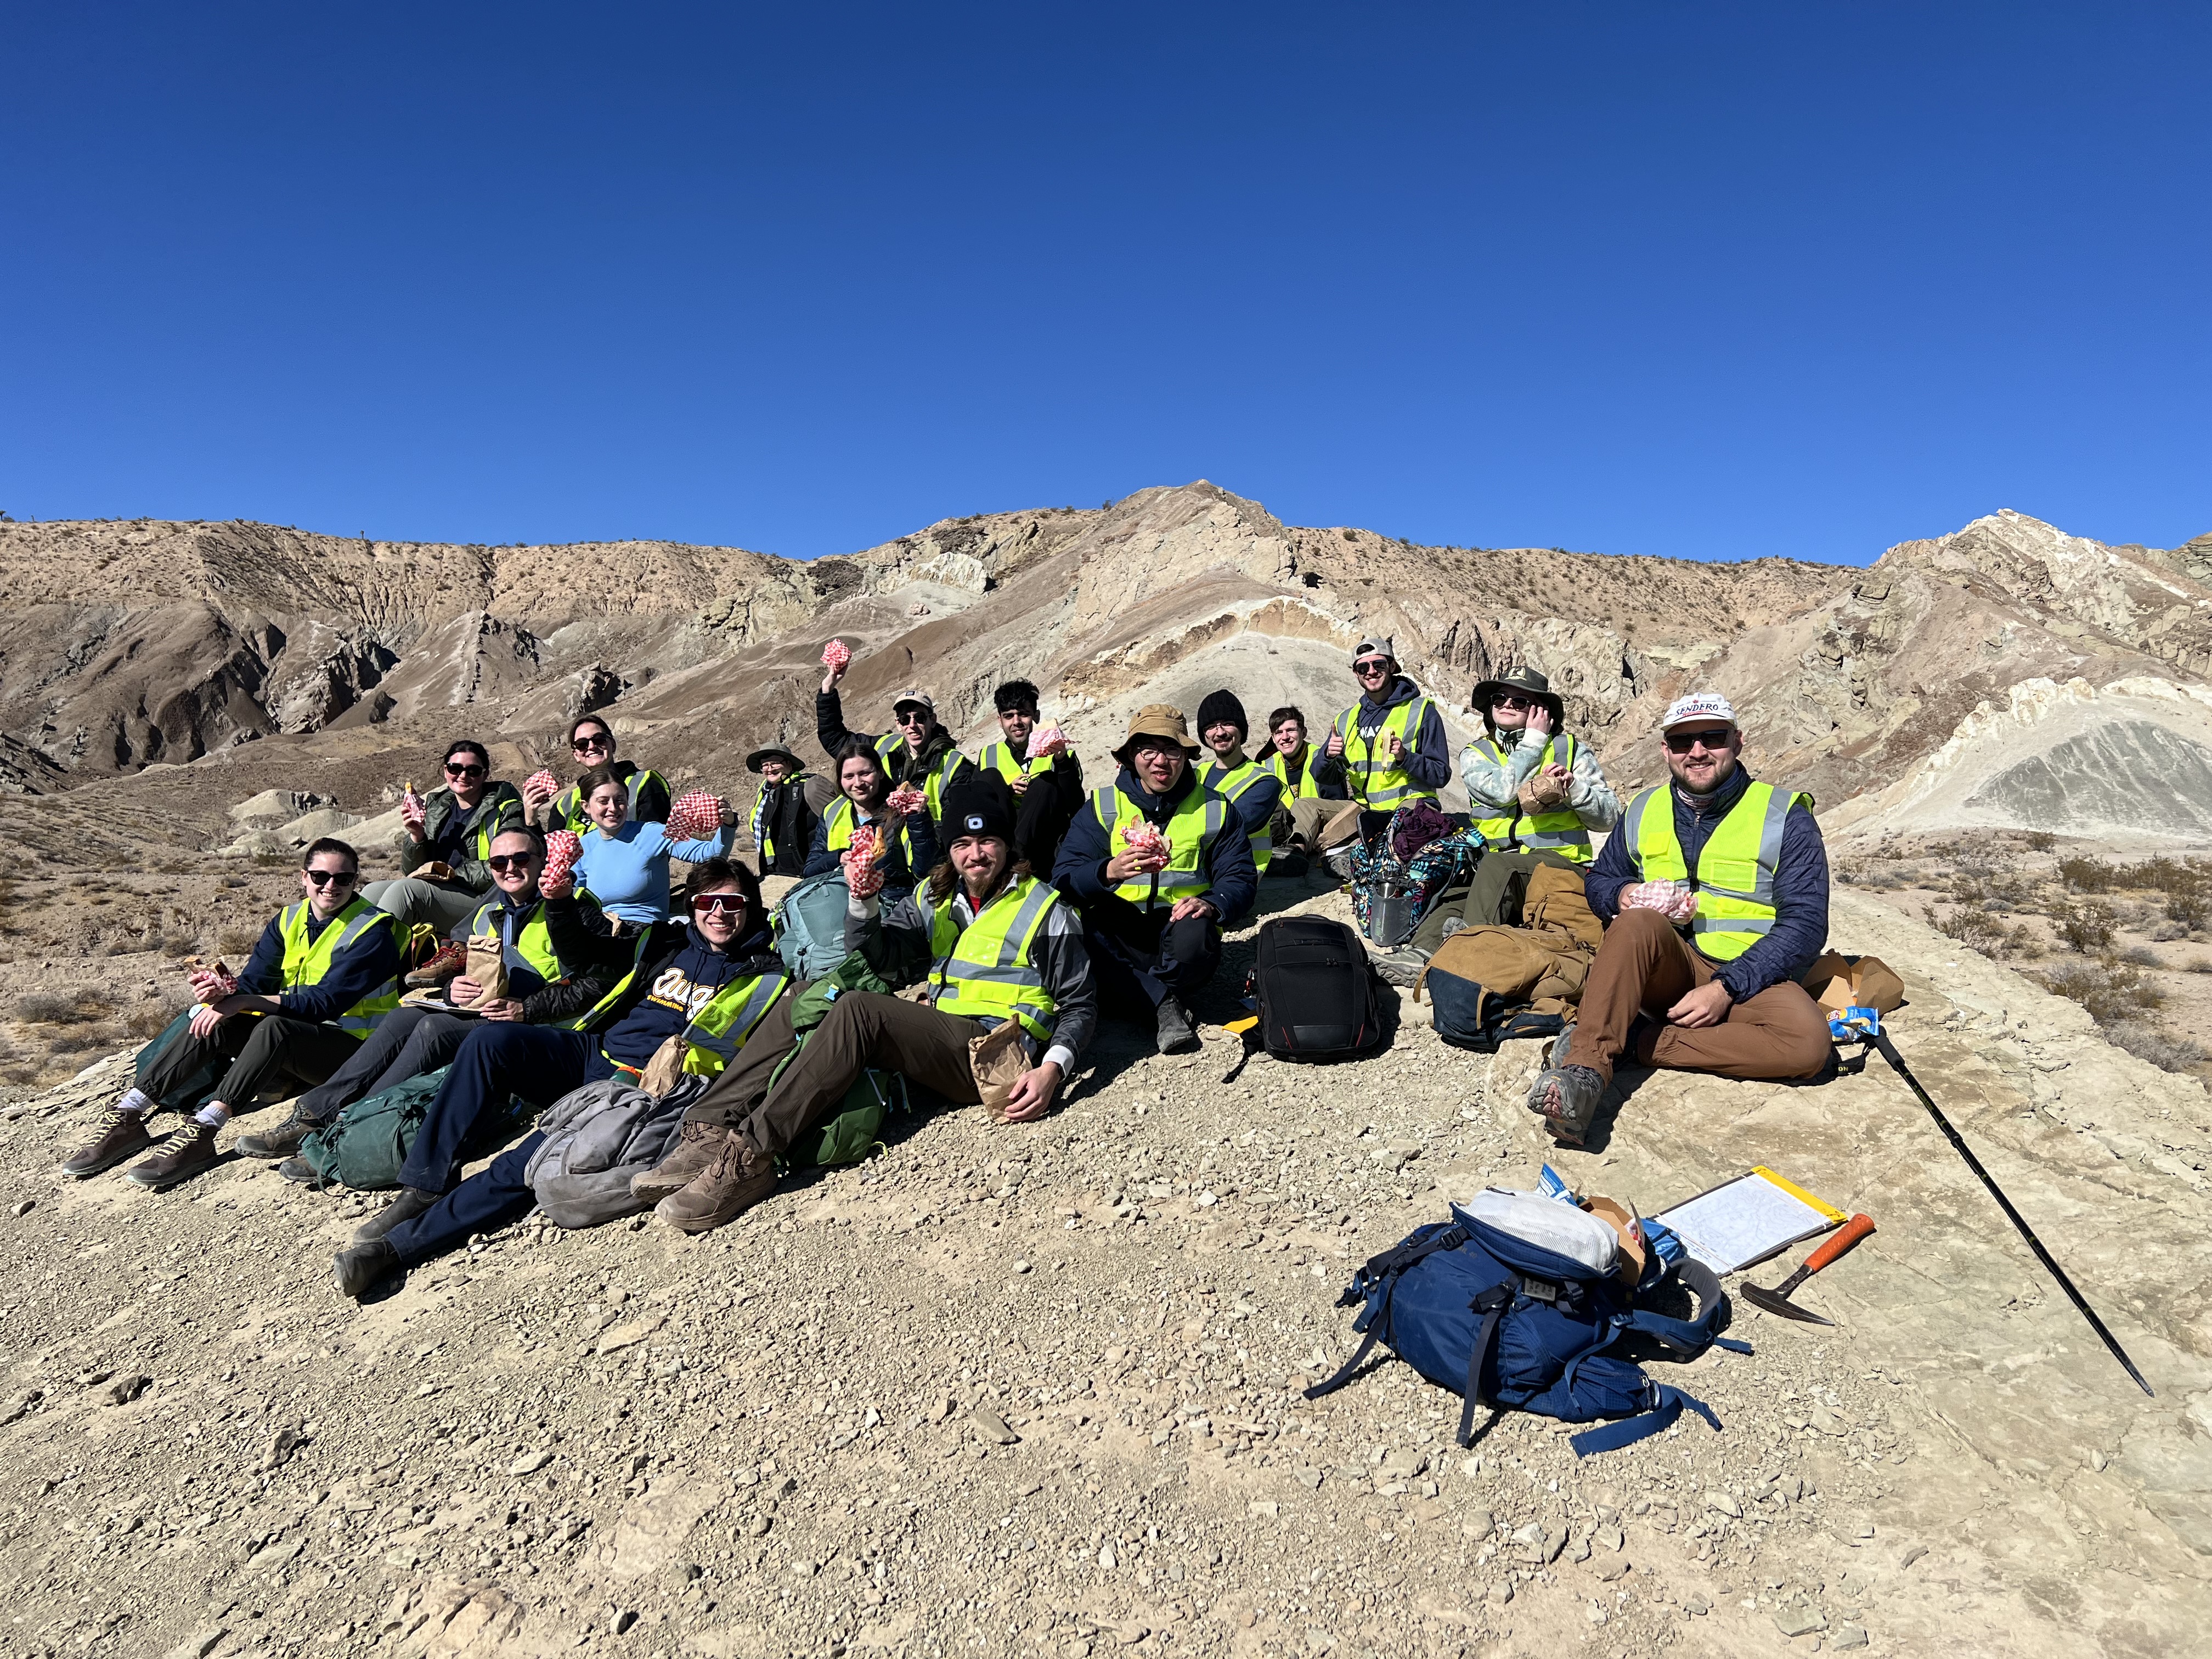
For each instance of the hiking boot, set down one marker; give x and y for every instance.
(697, 1146)
(740, 1176)
(1338, 860)
(1287, 864)
(281, 1141)
(411, 1203)
(122, 1135)
(363, 1268)
(1566, 1098)
(300, 1173)
(1177, 1036)
(1403, 967)
(445, 962)
(186, 1153)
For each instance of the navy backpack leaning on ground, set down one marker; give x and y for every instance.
(1517, 1324)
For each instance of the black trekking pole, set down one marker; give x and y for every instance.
(1881, 1040)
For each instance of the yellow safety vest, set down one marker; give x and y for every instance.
(1736, 870)
(983, 970)
(308, 963)
(567, 810)
(735, 1011)
(1199, 817)
(842, 817)
(1380, 786)
(528, 947)
(1556, 832)
(761, 839)
(1000, 757)
(1231, 786)
(888, 750)
(1279, 769)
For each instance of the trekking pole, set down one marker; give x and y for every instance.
(1880, 1041)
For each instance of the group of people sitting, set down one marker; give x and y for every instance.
(998, 884)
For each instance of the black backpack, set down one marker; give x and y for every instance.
(1319, 996)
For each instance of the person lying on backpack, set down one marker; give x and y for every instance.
(1048, 791)
(864, 790)
(324, 973)
(1247, 786)
(659, 978)
(1530, 786)
(785, 812)
(1714, 894)
(416, 1038)
(449, 834)
(716, 992)
(624, 863)
(1153, 919)
(592, 741)
(1000, 946)
(917, 750)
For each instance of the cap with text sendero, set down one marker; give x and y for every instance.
(1699, 705)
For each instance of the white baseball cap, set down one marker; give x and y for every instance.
(1698, 706)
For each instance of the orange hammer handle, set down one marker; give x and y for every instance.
(1853, 1230)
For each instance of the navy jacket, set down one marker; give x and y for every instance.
(1428, 749)
(362, 968)
(1233, 879)
(1801, 886)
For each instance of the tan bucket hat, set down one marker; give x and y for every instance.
(1159, 719)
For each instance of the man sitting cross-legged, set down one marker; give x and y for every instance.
(1000, 944)
(323, 974)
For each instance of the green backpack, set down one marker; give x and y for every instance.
(364, 1146)
(853, 1132)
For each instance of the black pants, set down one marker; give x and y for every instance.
(1142, 958)
(1040, 820)
(492, 1197)
(409, 1043)
(262, 1048)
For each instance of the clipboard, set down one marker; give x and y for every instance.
(1747, 1219)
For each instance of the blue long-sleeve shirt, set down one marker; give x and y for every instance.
(627, 871)
(1801, 885)
(1233, 879)
(362, 966)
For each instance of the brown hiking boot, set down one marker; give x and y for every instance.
(696, 1148)
(740, 1176)
(186, 1153)
(281, 1141)
(122, 1135)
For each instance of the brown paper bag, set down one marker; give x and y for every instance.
(488, 968)
(435, 870)
(999, 1060)
(1622, 1219)
(1838, 981)
(663, 1071)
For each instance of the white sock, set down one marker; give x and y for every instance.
(214, 1114)
(137, 1102)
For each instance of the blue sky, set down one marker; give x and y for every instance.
(1696, 281)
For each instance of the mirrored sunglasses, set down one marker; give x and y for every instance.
(726, 904)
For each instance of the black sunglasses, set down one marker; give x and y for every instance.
(499, 861)
(1715, 740)
(580, 745)
(1360, 671)
(1509, 701)
(325, 877)
(469, 771)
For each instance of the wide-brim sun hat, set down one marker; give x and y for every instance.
(1158, 720)
(1531, 683)
(759, 757)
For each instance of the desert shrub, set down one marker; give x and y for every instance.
(2086, 925)
(2161, 1049)
(235, 942)
(2085, 875)
(2138, 956)
(2040, 840)
(1971, 927)
(176, 944)
(2167, 932)
(2110, 991)
(46, 1008)
(2190, 910)
(2020, 940)
(147, 1019)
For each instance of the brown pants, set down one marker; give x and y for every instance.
(861, 1030)
(1645, 967)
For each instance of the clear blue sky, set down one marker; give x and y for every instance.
(1690, 280)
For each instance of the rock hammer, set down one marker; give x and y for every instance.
(1776, 1301)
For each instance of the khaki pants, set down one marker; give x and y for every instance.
(1310, 817)
(1644, 967)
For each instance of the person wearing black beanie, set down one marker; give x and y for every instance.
(1249, 788)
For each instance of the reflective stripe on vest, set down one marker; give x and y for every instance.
(1556, 831)
(1231, 786)
(307, 964)
(568, 806)
(761, 839)
(1376, 784)
(1279, 769)
(730, 1016)
(531, 947)
(1736, 870)
(1199, 817)
(984, 970)
(584, 1021)
(1000, 757)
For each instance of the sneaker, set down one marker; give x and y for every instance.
(363, 1268)
(281, 1141)
(1403, 967)
(184, 1155)
(1339, 860)
(1177, 1036)
(740, 1176)
(1566, 1098)
(122, 1135)
(411, 1203)
(697, 1146)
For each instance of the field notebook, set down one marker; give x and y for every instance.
(1744, 1221)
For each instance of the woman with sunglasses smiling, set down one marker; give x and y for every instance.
(592, 741)
(322, 977)
(624, 864)
(449, 836)
(1531, 786)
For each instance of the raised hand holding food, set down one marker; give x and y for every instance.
(694, 816)
(906, 798)
(563, 848)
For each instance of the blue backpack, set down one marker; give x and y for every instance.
(1515, 1327)
(810, 925)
